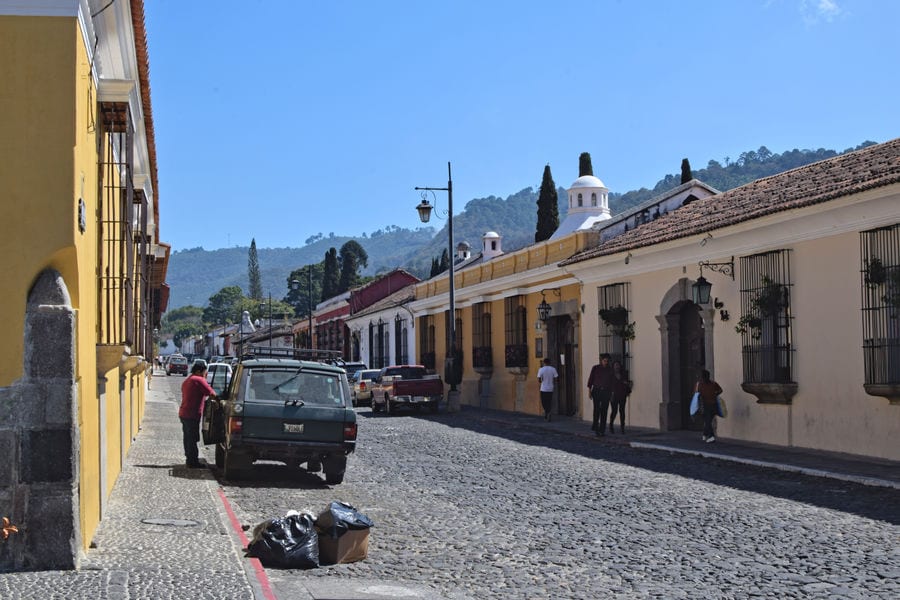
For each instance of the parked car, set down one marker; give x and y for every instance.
(351, 367)
(286, 410)
(406, 385)
(217, 375)
(177, 364)
(361, 385)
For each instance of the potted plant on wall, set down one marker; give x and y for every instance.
(616, 318)
(767, 302)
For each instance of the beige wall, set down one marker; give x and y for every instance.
(831, 410)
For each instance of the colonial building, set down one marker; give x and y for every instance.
(800, 329)
(83, 269)
(801, 325)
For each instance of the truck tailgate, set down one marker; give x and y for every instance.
(273, 420)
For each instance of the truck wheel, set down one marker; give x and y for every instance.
(387, 404)
(220, 456)
(234, 465)
(433, 407)
(334, 470)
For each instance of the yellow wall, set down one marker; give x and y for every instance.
(504, 385)
(48, 117)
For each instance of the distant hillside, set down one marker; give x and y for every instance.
(196, 274)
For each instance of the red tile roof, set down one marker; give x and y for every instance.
(869, 168)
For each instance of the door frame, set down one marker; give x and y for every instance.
(674, 300)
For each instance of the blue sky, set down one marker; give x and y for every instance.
(281, 119)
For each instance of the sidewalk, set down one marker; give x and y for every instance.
(846, 467)
(165, 532)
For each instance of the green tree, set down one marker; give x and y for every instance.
(184, 314)
(548, 209)
(686, 174)
(445, 261)
(584, 164)
(352, 258)
(302, 299)
(183, 322)
(225, 306)
(256, 291)
(330, 275)
(435, 266)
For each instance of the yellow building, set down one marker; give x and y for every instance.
(498, 329)
(83, 266)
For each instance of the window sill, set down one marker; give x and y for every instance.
(891, 391)
(771, 393)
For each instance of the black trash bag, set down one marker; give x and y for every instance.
(340, 517)
(290, 542)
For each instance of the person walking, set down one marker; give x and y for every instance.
(193, 391)
(708, 390)
(621, 389)
(600, 384)
(547, 375)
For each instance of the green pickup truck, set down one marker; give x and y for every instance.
(283, 409)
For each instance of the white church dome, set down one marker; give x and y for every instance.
(587, 181)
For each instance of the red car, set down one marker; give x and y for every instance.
(177, 364)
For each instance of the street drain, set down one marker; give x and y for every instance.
(171, 522)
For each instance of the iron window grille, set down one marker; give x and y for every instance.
(766, 317)
(880, 286)
(482, 355)
(516, 332)
(401, 344)
(615, 333)
(426, 341)
(116, 309)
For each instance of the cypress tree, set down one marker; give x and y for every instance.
(256, 291)
(548, 208)
(584, 164)
(330, 275)
(352, 258)
(686, 174)
(445, 261)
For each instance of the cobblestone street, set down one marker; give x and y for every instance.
(466, 510)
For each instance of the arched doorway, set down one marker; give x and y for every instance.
(686, 342)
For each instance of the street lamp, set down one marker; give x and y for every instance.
(295, 285)
(452, 366)
(261, 308)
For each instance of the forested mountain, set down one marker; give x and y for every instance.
(196, 274)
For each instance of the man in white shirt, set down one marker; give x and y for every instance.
(547, 375)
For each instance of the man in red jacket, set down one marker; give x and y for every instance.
(193, 391)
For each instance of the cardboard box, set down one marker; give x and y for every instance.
(350, 547)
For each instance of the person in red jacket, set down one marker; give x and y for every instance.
(193, 391)
(708, 390)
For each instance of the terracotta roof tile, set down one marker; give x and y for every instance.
(869, 168)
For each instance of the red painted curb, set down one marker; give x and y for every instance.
(257, 566)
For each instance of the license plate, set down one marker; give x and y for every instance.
(293, 427)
